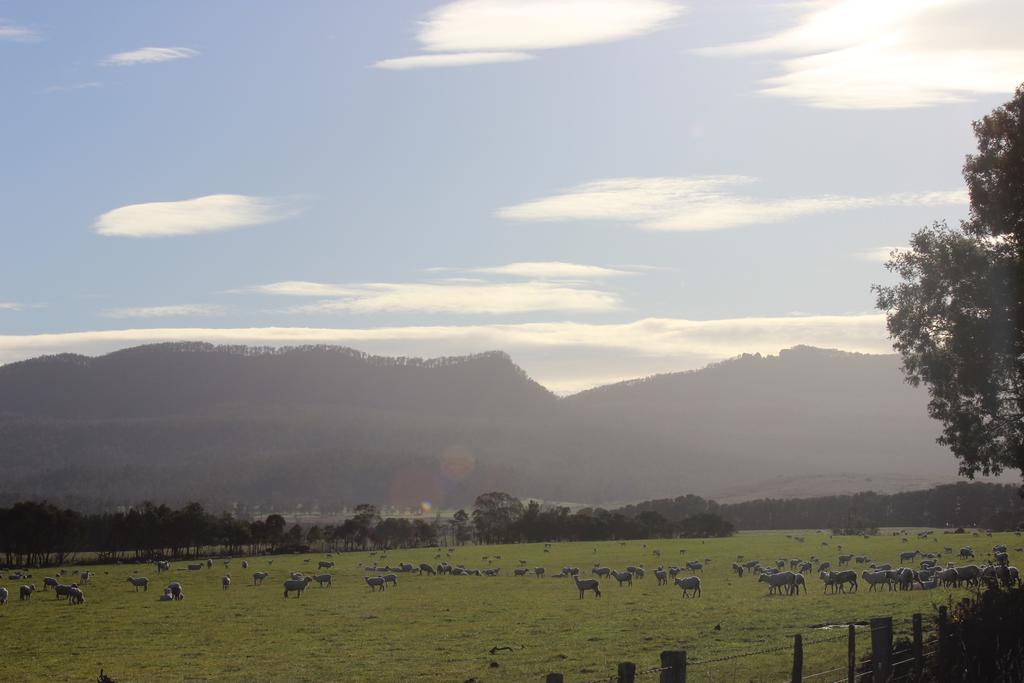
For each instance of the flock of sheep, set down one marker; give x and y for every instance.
(781, 576)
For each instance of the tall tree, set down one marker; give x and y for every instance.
(494, 514)
(957, 316)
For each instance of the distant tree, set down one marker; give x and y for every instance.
(494, 514)
(275, 525)
(295, 535)
(957, 316)
(460, 527)
(315, 536)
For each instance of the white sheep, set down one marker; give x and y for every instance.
(695, 566)
(876, 578)
(76, 596)
(374, 582)
(393, 579)
(257, 577)
(601, 571)
(689, 583)
(225, 582)
(85, 576)
(26, 591)
(139, 582)
(585, 585)
(325, 564)
(427, 569)
(195, 567)
(778, 581)
(539, 571)
(325, 580)
(49, 581)
(245, 564)
(3, 596)
(162, 566)
(662, 576)
(623, 578)
(176, 591)
(520, 571)
(297, 585)
(909, 556)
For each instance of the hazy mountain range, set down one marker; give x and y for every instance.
(331, 426)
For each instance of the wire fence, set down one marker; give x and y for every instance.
(906, 663)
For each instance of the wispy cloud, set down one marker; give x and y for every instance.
(699, 203)
(454, 297)
(672, 343)
(548, 270)
(148, 55)
(466, 31)
(19, 33)
(190, 216)
(453, 59)
(10, 306)
(879, 254)
(174, 310)
(73, 86)
(867, 54)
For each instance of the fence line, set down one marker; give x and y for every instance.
(674, 663)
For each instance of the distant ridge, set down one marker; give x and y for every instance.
(327, 426)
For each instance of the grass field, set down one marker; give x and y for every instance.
(441, 627)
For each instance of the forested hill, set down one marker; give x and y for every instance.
(328, 426)
(964, 504)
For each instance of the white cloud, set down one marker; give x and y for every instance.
(699, 203)
(548, 270)
(190, 216)
(18, 33)
(163, 311)
(458, 297)
(453, 59)
(73, 86)
(10, 306)
(866, 54)
(149, 55)
(546, 350)
(879, 254)
(465, 29)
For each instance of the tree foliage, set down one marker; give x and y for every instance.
(957, 314)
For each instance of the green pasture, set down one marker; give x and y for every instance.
(440, 628)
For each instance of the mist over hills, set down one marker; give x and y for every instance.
(330, 426)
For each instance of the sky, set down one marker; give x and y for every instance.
(604, 189)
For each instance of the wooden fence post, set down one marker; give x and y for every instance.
(943, 647)
(851, 654)
(627, 672)
(674, 663)
(918, 646)
(798, 658)
(881, 649)
(554, 678)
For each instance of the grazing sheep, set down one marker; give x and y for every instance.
(297, 576)
(966, 552)
(909, 556)
(601, 571)
(639, 573)
(837, 580)
(695, 566)
(804, 567)
(426, 568)
(492, 572)
(325, 580)
(257, 577)
(62, 590)
(585, 585)
(209, 563)
(245, 564)
(876, 578)
(539, 572)
(778, 581)
(374, 582)
(166, 596)
(623, 578)
(392, 579)
(162, 566)
(49, 581)
(195, 567)
(1002, 558)
(85, 576)
(520, 571)
(139, 582)
(225, 582)
(689, 583)
(845, 559)
(905, 578)
(325, 564)
(969, 574)
(662, 576)
(176, 591)
(76, 596)
(297, 585)
(3, 596)
(27, 591)
(826, 566)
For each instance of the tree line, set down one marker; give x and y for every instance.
(40, 533)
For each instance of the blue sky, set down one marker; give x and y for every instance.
(602, 188)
